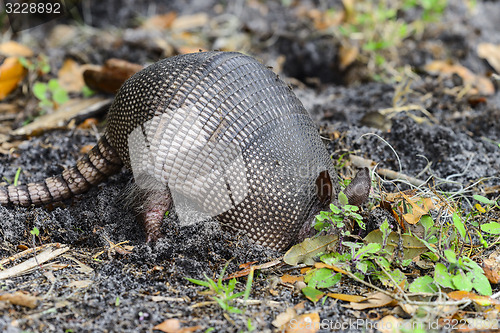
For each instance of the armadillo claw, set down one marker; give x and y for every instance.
(358, 190)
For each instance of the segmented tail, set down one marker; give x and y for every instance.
(100, 163)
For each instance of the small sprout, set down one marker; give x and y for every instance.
(16, 177)
(35, 231)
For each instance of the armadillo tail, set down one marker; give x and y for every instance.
(101, 162)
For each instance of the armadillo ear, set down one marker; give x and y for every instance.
(324, 187)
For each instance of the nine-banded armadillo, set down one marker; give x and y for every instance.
(217, 131)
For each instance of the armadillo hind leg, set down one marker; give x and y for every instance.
(101, 162)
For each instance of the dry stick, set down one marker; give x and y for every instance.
(363, 162)
(44, 256)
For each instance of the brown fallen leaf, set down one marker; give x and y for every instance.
(347, 298)
(174, 326)
(376, 300)
(14, 49)
(287, 278)
(417, 211)
(305, 323)
(482, 84)
(289, 322)
(110, 77)
(189, 22)
(478, 299)
(284, 317)
(11, 73)
(347, 54)
(20, 298)
(491, 267)
(491, 53)
(389, 324)
(80, 284)
(157, 22)
(70, 76)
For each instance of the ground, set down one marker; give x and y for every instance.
(132, 289)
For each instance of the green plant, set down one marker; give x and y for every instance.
(337, 216)
(376, 29)
(223, 293)
(16, 177)
(40, 65)
(50, 94)
(460, 274)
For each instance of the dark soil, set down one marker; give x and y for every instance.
(460, 144)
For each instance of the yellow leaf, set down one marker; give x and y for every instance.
(11, 73)
(480, 208)
(14, 49)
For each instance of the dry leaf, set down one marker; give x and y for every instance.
(347, 298)
(376, 300)
(491, 53)
(20, 298)
(169, 326)
(14, 49)
(417, 211)
(110, 77)
(306, 251)
(389, 324)
(306, 323)
(174, 326)
(484, 85)
(163, 21)
(491, 268)
(348, 55)
(70, 76)
(11, 73)
(478, 299)
(284, 317)
(287, 278)
(80, 284)
(188, 22)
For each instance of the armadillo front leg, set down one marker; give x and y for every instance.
(155, 208)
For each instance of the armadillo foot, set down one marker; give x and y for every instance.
(152, 217)
(358, 190)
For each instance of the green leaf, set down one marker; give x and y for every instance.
(426, 222)
(35, 231)
(457, 221)
(423, 284)
(323, 278)
(450, 256)
(40, 90)
(491, 228)
(362, 266)
(366, 250)
(481, 284)
(442, 277)
(16, 177)
(199, 282)
(87, 92)
(312, 294)
(462, 281)
(60, 96)
(483, 200)
(310, 248)
(343, 201)
(335, 209)
(53, 84)
(412, 247)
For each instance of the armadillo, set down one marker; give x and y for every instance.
(216, 130)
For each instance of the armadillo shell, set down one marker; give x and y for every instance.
(227, 137)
